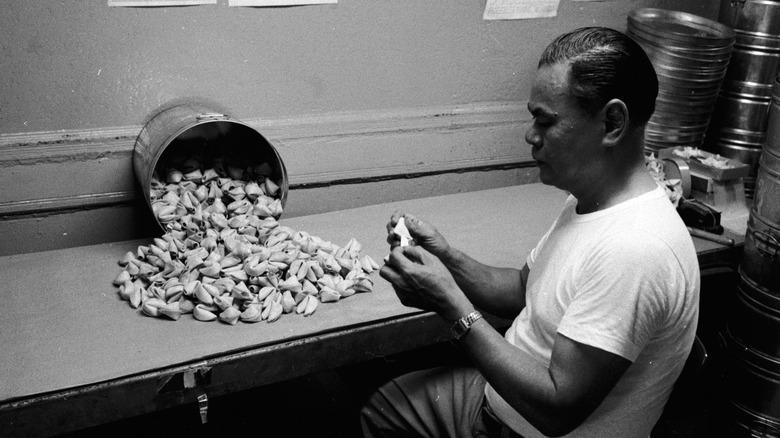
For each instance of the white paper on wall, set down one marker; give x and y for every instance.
(279, 2)
(519, 9)
(158, 3)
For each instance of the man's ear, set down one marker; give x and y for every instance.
(615, 122)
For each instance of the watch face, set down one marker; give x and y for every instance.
(460, 328)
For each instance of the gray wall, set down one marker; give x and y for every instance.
(82, 65)
(335, 87)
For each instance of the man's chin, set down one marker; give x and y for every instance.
(547, 179)
(545, 176)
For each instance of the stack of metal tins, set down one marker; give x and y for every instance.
(739, 121)
(690, 55)
(753, 373)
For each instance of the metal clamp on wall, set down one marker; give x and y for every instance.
(191, 379)
(183, 385)
(203, 408)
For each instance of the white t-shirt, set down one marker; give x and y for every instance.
(626, 280)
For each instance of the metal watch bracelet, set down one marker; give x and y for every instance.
(463, 325)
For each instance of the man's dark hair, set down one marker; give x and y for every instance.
(606, 64)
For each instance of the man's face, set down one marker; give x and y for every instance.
(564, 137)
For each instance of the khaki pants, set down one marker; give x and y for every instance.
(436, 403)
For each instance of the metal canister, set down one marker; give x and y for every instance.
(753, 379)
(690, 55)
(772, 143)
(747, 423)
(755, 60)
(755, 319)
(766, 203)
(740, 119)
(194, 129)
(761, 254)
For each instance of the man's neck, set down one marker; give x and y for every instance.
(613, 189)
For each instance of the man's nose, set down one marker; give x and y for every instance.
(533, 138)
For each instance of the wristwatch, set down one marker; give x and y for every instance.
(463, 325)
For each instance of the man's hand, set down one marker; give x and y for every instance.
(423, 233)
(421, 280)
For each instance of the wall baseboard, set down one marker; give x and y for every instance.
(63, 170)
(52, 178)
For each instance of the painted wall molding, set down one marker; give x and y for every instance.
(45, 172)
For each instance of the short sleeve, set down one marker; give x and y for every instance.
(620, 296)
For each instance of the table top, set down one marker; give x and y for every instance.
(64, 326)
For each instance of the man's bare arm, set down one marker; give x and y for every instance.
(554, 399)
(500, 291)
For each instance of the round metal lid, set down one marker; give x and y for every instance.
(681, 26)
(645, 38)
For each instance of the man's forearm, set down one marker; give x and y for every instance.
(500, 291)
(524, 383)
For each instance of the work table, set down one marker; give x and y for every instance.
(75, 355)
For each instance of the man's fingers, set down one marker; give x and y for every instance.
(393, 240)
(405, 258)
(394, 220)
(400, 286)
(389, 274)
(389, 227)
(414, 253)
(394, 259)
(408, 298)
(413, 224)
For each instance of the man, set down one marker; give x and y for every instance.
(605, 308)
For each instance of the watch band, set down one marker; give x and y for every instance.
(463, 325)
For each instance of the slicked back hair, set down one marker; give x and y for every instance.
(606, 64)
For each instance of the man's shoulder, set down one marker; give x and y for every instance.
(654, 221)
(651, 234)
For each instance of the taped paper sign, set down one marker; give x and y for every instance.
(279, 2)
(520, 9)
(159, 3)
